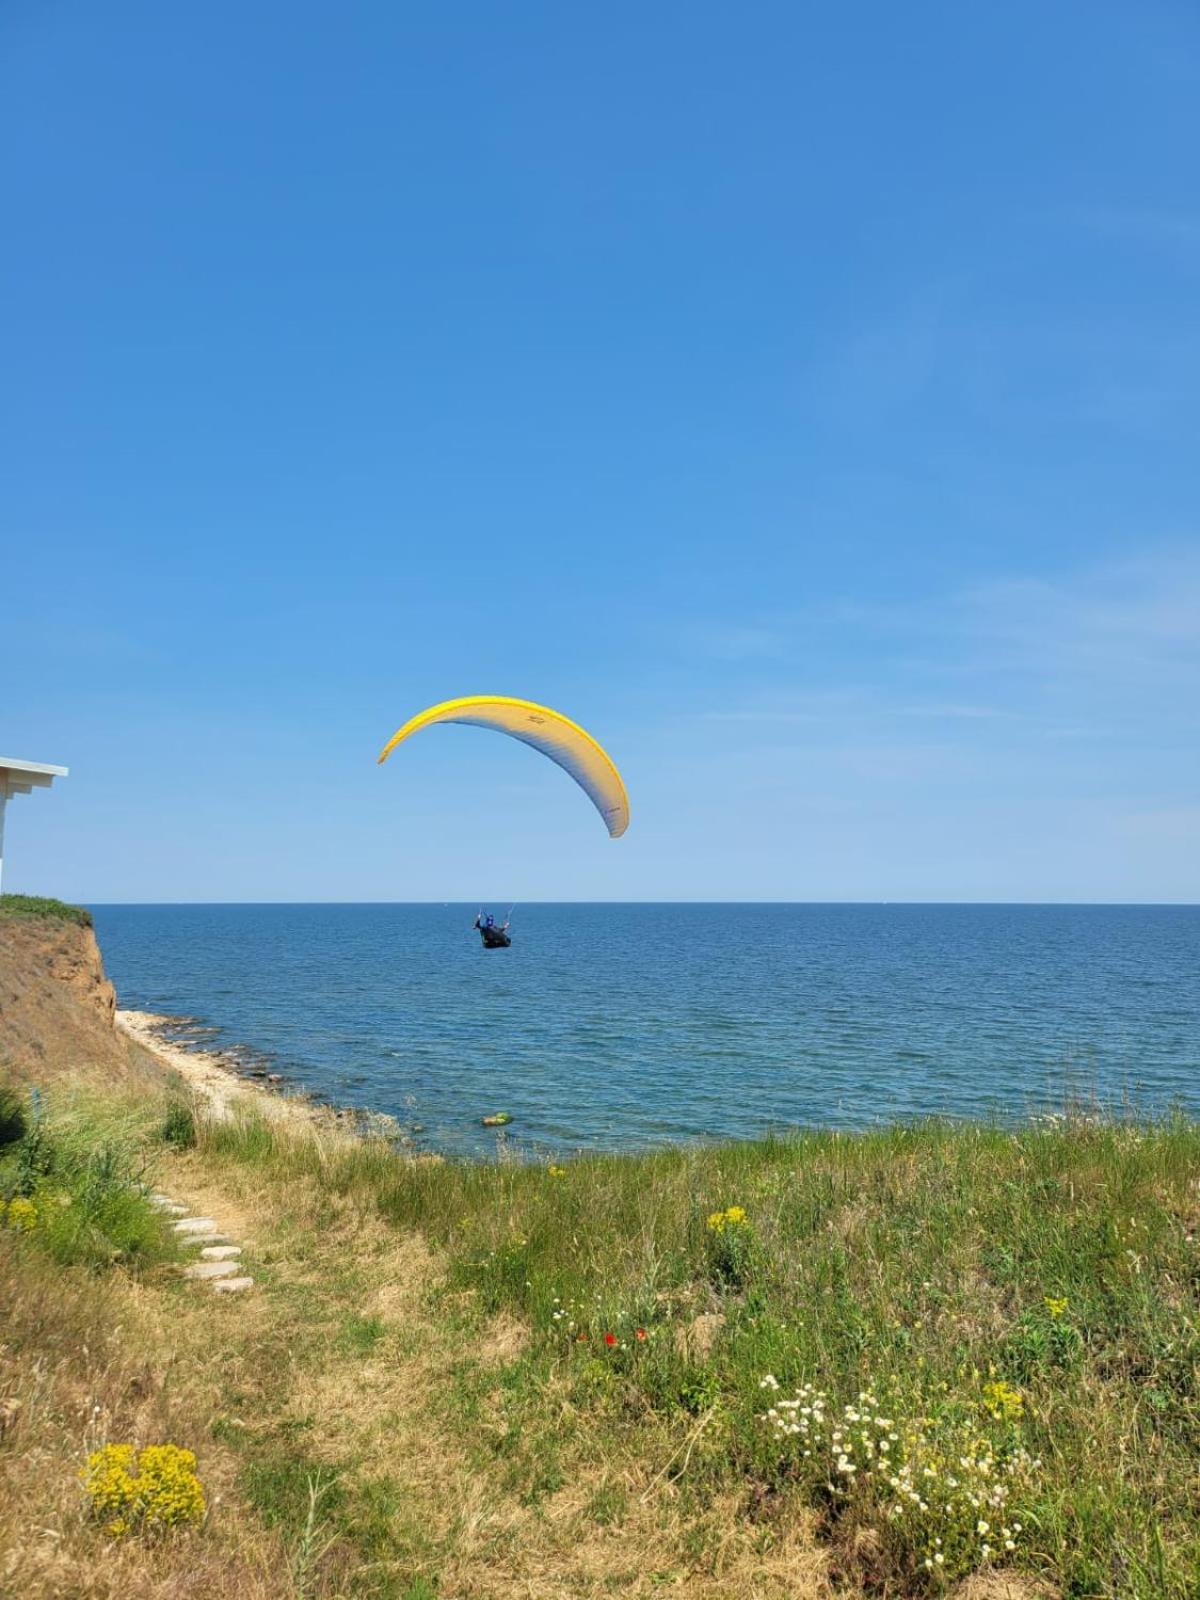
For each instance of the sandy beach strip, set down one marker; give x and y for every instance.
(209, 1074)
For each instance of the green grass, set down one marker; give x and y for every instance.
(1026, 1302)
(72, 1185)
(359, 1335)
(32, 905)
(921, 1265)
(178, 1125)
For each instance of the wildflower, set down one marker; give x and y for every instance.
(610, 1339)
(1003, 1402)
(163, 1492)
(639, 1334)
(718, 1221)
(556, 1172)
(1056, 1305)
(22, 1215)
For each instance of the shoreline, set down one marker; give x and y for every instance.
(212, 1075)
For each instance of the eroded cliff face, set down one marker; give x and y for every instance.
(56, 1005)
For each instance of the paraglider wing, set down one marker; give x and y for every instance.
(565, 742)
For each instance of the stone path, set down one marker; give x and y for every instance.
(219, 1263)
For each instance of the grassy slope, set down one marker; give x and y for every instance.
(402, 1359)
(35, 905)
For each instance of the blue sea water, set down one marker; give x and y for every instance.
(630, 1026)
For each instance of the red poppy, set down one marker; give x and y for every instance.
(639, 1333)
(582, 1339)
(610, 1339)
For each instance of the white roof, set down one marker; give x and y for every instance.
(20, 777)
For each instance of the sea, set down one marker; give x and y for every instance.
(628, 1027)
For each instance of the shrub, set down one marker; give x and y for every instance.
(178, 1126)
(20, 1214)
(13, 1123)
(157, 1491)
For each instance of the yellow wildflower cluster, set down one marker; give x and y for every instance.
(20, 1214)
(158, 1490)
(733, 1217)
(1003, 1402)
(1056, 1304)
(556, 1172)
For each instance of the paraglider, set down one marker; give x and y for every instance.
(494, 935)
(565, 742)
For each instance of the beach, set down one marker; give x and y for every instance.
(221, 1086)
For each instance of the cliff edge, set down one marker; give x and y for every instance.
(57, 1007)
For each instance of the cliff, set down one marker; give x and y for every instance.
(57, 1007)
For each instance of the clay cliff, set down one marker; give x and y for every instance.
(56, 1005)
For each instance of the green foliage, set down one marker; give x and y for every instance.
(280, 1487)
(31, 905)
(13, 1121)
(81, 1178)
(730, 1242)
(1031, 1291)
(178, 1126)
(359, 1335)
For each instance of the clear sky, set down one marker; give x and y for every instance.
(805, 398)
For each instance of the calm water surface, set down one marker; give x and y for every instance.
(628, 1026)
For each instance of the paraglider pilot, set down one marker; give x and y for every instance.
(491, 935)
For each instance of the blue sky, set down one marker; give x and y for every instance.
(804, 398)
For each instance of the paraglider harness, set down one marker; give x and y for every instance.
(494, 938)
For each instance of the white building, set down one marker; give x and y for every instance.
(22, 777)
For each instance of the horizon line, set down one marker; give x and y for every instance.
(1184, 905)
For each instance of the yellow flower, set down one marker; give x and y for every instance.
(557, 1172)
(718, 1221)
(1056, 1305)
(22, 1214)
(111, 1485)
(164, 1492)
(1002, 1401)
(169, 1490)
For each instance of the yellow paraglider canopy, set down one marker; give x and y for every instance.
(565, 742)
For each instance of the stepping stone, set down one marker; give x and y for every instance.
(203, 1238)
(210, 1269)
(220, 1252)
(164, 1202)
(232, 1285)
(195, 1225)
